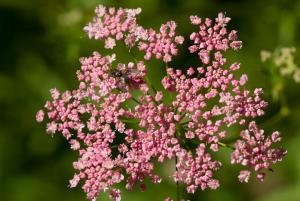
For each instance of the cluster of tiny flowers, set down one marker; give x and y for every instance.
(97, 117)
(212, 36)
(112, 24)
(254, 150)
(196, 171)
(161, 44)
(120, 24)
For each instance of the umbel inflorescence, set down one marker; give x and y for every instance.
(96, 117)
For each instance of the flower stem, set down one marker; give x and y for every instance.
(177, 135)
(226, 145)
(130, 121)
(135, 100)
(149, 83)
(177, 183)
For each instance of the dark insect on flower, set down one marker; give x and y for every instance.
(116, 73)
(122, 78)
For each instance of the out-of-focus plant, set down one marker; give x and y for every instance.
(281, 66)
(185, 121)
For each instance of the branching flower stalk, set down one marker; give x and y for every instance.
(95, 118)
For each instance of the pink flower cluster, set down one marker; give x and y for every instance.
(112, 24)
(120, 24)
(212, 36)
(254, 150)
(161, 44)
(97, 117)
(196, 171)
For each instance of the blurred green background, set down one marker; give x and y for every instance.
(41, 42)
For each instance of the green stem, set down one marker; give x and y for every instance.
(149, 83)
(177, 183)
(184, 123)
(226, 145)
(114, 146)
(177, 135)
(135, 100)
(130, 121)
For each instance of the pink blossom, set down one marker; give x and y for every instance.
(121, 24)
(179, 40)
(115, 194)
(110, 43)
(254, 150)
(112, 23)
(196, 171)
(51, 127)
(54, 93)
(97, 117)
(158, 96)
(75, 145)
(212, 37)
(40, 116)
(195, 20)
(162, 44)
(190, 71)
(74, 181)
(244, 176)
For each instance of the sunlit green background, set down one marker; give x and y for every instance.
(40, 44)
